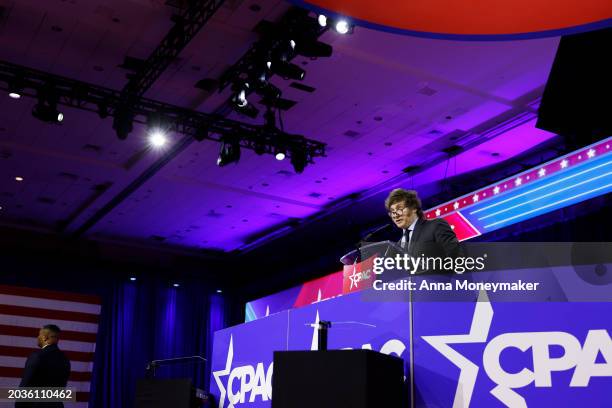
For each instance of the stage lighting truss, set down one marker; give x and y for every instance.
(297, 33)
(201, 126)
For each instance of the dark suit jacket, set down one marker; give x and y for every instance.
(47, 367)
(434, 238)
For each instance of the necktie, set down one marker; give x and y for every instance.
(406, 238)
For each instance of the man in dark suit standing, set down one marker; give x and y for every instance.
(47, 367)
(432, 238)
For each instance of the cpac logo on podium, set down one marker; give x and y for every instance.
(252, 384)
(581, 358)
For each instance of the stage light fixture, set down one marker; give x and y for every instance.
(201, 133)
(269, 92)
(322, 20)
(46, 111)
(229, 152)
(103, 110)
(122, 122)
(45, 108)
(241, 100)
(342, 26)
(133, 278)
(299, 160)
(280, 156)
(248, 110)
(287, 70)
(15, 90)
(157, 138)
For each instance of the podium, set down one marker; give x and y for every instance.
(337, 379)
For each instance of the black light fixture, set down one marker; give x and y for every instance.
(201, 132)
(46, 107)
(103, 110)
(299, 159)
(229, 152)
(122, 122)
(269, 92)
(241, 90)
(15, 89)
(286, 70)
(240, 102)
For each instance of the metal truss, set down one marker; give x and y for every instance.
(202, 126)
(186, 26)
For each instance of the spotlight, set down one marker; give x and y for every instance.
(18, 178)
(157, 138)
(269, 92)
(15, 89)
(240, 97)
(248, 110)
(342, 27)
(280, 156)
(299, 160)
(46, 107)
(219, 291)
(47, 113)
(176, 285)
(133, 278)
(287, 70)
(122, 122)
(322, 19)
(292, 44)
(241, 100)
(229, 152)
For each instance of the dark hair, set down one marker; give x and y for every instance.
(408, 197)
(52, 328)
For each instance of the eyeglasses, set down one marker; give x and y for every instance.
(398, 212)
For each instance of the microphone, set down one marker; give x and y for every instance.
(376, 231)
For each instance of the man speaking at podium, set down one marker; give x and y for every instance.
(432, 238)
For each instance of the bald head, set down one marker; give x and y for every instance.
(48, 335)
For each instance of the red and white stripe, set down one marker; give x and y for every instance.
(23, 311)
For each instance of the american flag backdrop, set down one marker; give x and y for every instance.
(23, 311)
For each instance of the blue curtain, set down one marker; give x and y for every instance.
(142, 321)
